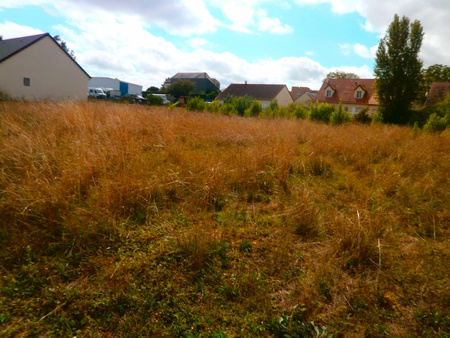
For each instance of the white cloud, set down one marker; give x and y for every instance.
(11, 30)
(247, 15)
(274, 26)
(378, 14)
(198, 42)
(358, 49)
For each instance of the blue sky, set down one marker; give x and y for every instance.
(295, 42)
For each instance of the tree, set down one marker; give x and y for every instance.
(434, 73)
(398, 69)
(180, 88)
(63, 45)
(342, 75)
(152, 89)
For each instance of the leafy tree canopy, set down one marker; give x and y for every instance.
(180, 88)
(152, 89)
(342, 75)
(398, 69)
(434, 73)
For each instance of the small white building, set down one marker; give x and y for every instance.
(37, 67)
(116, 84)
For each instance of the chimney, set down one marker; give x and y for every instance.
(245, 82)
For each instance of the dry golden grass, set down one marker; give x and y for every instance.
(129, 220)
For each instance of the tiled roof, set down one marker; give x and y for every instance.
(344, 89)
(261, 92)
(296, 92)
(437, 92)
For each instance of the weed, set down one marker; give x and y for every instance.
(128, 220)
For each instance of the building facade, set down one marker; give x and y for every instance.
(116, 85)
(203, 82)
(37, 67)
(355, 94)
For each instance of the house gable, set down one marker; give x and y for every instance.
(260, 92)
(37, 67)
(11, 47)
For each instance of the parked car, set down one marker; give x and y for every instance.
(134, 98)
(96, 93)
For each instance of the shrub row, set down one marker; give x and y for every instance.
(438, 117)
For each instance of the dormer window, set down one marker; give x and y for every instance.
(329, 91)
(359, 92)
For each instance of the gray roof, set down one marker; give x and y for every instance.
(190, 76)
(13, 46)
(10, 47)
(195, 75)
(263, 92)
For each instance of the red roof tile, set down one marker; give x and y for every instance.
(437, 92)
(344, 89)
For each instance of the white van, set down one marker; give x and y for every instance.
(96, 93)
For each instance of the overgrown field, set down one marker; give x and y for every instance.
(123, 220)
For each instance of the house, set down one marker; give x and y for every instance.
(109, 84)
(203, 83)
(355, 94)
(37, 67)
(303, 95)
(437, 92)
(264, 93)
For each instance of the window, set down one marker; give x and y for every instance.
(328, 93)
(26, 81)
(359, 94)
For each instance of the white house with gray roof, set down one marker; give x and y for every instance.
(37, 67)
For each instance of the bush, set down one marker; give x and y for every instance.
(437, 123)
(362, 116)
(321, 112)
(439, 120)
(213, 107)
(241, 104)
(340, 116)
(301, 112)
(228, 109)
(196, 103)
(255, 109)
(154, 100)
(377, 118)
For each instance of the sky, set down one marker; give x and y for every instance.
(292, 42)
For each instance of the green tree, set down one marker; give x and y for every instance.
(398, 69)
(63, 45)
(340, 115)
(342, 75)
(180, 88)
(434, 73)
(154, 100)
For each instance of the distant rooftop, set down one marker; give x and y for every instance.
(263, 92)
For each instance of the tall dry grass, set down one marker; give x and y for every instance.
(345, 223)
